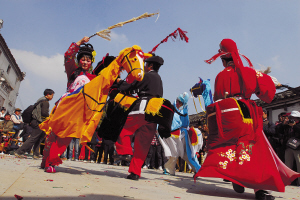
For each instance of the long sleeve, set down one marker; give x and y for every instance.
(70, 65)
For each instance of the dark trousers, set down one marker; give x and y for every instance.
(34, 140)
(154, 155)
(92, 156)
(99, 149)
(292, 155)
(108, 151)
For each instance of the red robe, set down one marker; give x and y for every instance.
(237, 147)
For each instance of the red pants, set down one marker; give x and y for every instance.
(54, 147)
(144, 132)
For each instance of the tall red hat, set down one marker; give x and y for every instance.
(229, 49)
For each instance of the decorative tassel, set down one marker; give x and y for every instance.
(154, 106)
(181, 33)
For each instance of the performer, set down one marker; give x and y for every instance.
(78, 114)
(136, 125)
(180, 144)
(78, 75)
(238, 150)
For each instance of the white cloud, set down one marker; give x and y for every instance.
(45, 67)
(118, 37)
(276, 62)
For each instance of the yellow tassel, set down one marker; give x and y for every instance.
(154, 106)
(94, 54)
(245, 120)
(126, 102)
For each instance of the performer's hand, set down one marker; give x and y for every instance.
(118, 80)
(85, 39)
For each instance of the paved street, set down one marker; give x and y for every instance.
(78, 180)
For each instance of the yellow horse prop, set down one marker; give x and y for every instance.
(78, 114)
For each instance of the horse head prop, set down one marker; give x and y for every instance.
(132, 60)
(203, 88)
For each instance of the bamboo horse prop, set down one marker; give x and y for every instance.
(118, 108)
(79, 113)
(75, 116)
(202, 88)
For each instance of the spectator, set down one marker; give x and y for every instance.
(74, 144)
(92, 145)
(282, 129)
(204, 130)
(16, 118)
(39, 114)
(154, 155)
(2, 113)
(5, 126)
(292, 153)
(98, 149)
(269, 130)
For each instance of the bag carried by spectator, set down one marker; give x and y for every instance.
(27, 113)
(293, 143)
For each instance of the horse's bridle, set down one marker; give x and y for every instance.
(131, 70)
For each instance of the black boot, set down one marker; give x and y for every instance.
(238, 188)
(263, 195)
(133, 176)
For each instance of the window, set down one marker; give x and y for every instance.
(8, 69)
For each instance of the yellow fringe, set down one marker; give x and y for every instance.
(154, 106)
(195, 132)
(196, 106)
(126, 102)
(174, 136)
(245, 120)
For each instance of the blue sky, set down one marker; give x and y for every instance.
(38, 32)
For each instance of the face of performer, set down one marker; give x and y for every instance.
(178, 103)
(85, 62)
(148, 67)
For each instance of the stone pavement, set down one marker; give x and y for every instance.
(78, 180)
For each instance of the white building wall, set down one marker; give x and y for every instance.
(8, 96)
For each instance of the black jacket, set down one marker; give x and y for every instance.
(150, 86)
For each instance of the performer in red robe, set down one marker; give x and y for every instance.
(238, 150)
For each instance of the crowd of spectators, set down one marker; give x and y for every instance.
(279, 134)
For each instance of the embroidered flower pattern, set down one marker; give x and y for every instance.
(258, 74)
(244, 155)
(230, 154)
(223, 164)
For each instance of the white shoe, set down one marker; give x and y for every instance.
(92, 161)
(160, 168)
(2, 153)
(145, 167)
(76, 160)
